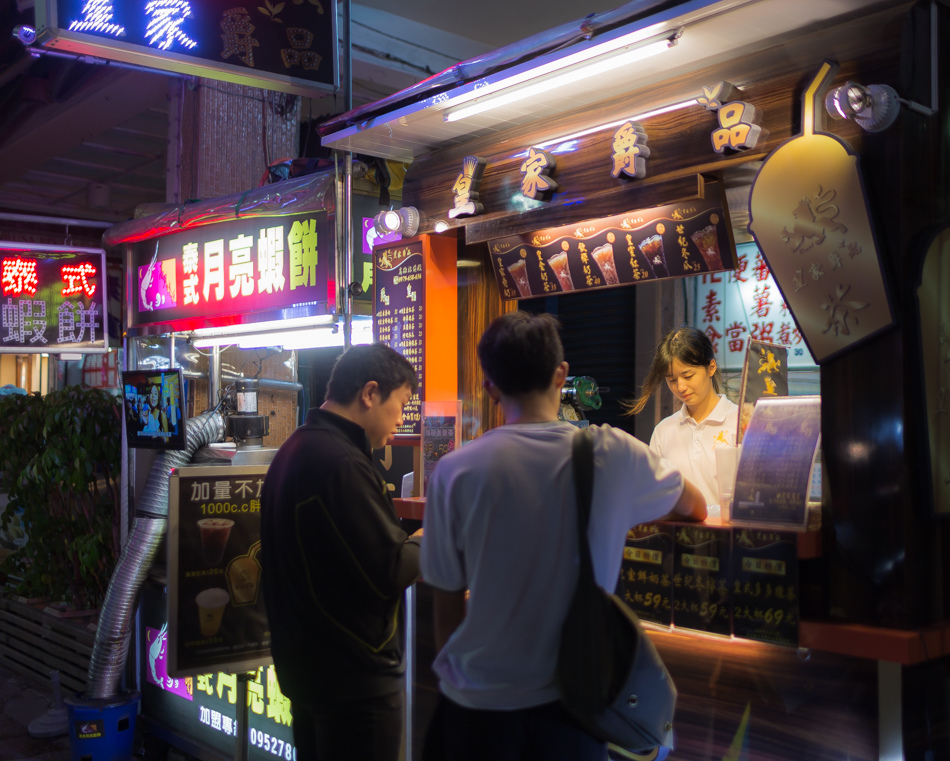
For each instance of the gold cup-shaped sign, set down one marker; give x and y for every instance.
(810, 219)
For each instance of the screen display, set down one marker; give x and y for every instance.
(154, 413)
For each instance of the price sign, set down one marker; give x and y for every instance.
(217, 618)
(646, 575)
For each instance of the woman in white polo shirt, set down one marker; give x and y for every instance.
(684, 360)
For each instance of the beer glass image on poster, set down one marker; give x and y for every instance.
(214, 539)
(217, 619)
(211, 604)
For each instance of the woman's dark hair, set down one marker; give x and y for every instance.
(688, 345)
(519, 352)
(369, 362)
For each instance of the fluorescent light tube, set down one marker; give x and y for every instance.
(513, 90)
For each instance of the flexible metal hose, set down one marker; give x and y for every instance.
(113, 634)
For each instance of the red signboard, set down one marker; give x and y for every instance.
(228, 272)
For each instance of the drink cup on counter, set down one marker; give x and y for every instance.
(727, 464)
(519, 272)
(211, 604)
(214, 538)
(604, 256)
(652, 248)
(707, 241)
(562, 271)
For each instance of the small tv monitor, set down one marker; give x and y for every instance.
(154, 408)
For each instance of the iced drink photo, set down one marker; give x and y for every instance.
(519, 272)
(559, 264)
(604, 256)
(214, 538)
(707, 242)
(211, 605)
(652, 249)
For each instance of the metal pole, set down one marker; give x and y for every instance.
(347, 209)
(214, 376)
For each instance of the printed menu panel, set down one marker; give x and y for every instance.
(701, 579)
(765, 593)
(398, 280)
(217, 619)
(773, 479)
(647, 571)
(441, 434)
(688, 238)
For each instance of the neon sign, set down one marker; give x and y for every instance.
(290, 47)
(18, 276)
(52, 301)
(234, 268)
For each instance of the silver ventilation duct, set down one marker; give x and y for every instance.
(113, 635)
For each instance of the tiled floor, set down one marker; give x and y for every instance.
(21, 701)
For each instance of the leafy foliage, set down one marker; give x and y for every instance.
(61, 463)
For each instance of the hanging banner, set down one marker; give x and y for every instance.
(53, 299)
(284, 46)
(680, 239)
(218, 274)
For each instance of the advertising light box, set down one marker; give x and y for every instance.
(53, 299)
(219, 273)
(285, 46)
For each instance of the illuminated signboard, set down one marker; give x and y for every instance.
(52, 299)
(285, 46)
(219, 273)
(743, 305)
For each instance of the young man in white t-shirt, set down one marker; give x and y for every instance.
(501, 524)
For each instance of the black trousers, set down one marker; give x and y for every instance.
(370, 729)
(543, 732)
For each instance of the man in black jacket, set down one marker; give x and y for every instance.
(336, 564)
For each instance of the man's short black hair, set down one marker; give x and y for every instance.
(369, 362)
(520, 351)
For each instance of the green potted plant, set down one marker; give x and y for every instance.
(62, 470)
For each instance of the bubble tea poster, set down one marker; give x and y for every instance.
(217, 620)
(689, 238)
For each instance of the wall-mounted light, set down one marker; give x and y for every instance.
(404, 221)
(873, 108)
(590, 62)
(25, 34)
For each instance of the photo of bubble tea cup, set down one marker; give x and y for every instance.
(519, 271)
(562, 272)
(214, 539)
(652, 248)
(211, 604)
(707, 241)
(604, 256)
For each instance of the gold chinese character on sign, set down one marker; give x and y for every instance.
(466, 188)
(536, 173)
(739, 127)
(630, 151)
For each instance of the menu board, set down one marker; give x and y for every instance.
(701, 598)
(646, 573)
(217, 619)
(765, 592)
(773, 479)
(398, 281)
(667, 241)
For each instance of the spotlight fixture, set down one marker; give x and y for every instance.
(873, 108)
(25, 34)
(404, 221)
